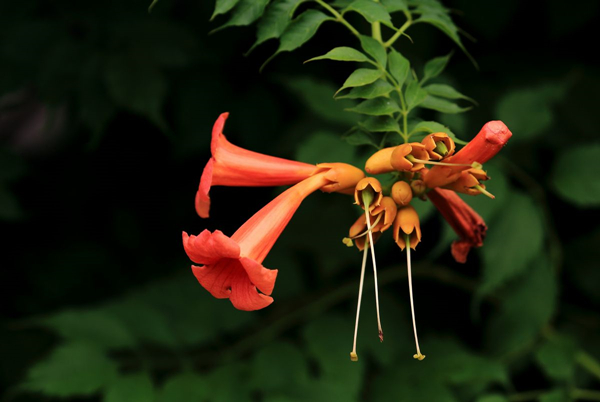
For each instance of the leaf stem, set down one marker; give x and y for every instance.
(376, 31)
(338, 17)
(400, 31)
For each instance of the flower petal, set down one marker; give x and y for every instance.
(208, 248)
(202, 197)
(261, 277)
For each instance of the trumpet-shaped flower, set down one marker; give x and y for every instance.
(232, 266)
(467, 224)
(492, 137)
(231, 165)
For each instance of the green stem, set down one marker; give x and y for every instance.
(400, 31)
(338, 17)
(376, 31)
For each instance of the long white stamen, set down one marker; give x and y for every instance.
(353, 355)
(371, 244)
(412, 305)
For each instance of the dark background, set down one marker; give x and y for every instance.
(105, 120)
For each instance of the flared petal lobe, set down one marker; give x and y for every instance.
(488, 142)
(232, 267)
(231, 165)
(467, 223)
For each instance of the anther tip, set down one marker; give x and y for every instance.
(418, 356)
(347, 241)
(381, 336)
(353, 356)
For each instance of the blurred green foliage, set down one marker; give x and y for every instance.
(105, 115)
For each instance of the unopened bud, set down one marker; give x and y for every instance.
(418, 187)
(402, 193)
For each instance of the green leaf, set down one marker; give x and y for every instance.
(184, 387)
(245, 13)
(434, 67)
(323, 147)
(381, 124)
(376, 107)
(512, 242)
(580, 187)
(394, 5)
(370, 91)
(72, 369)
(399, 67)
(301, 30)
(432, 127)
(223, 6)
(414, 95)
(342, 54)
(529, 303)
(130, 388)
(95, 327)
(442, 105)
(446, 91)
(276, 19)
(373, 12)
(137, 86)
(316, 96)
(557, 357)
(359, 137)
(528, 111)
(360, 77)
(375, 49)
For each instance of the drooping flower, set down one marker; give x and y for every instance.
(232, 266)
(467, 223)
(231, 165)
(492, 137)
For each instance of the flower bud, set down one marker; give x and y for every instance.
(379, 162)
(402, 193)
(468, 181)
(418, 187)
(343, 177)
(368, 184)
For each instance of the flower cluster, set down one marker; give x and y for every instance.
(231, 267)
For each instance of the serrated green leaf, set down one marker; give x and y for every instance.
(434, 67)
(378, 88)
(414, 95)
(394, 5)
(580, 187)
(130, 388)
(301, 30)
(375, 49)
(361, 77)
(359, 137)
(373, 12)
(442, 105)
(184, 387)
(223, 6)
(399, 67)
(557, 357)
(342, 54)
(446, 91)
(512, 242)
(71, 369)
(376, 107)
(431, 127)
(245, 13)
(95, 327)
(275, 20)
(381, 124)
